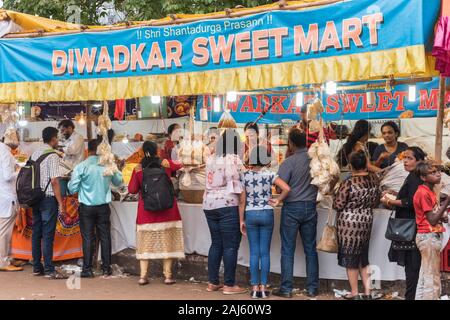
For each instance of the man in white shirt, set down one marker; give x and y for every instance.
(8, 201)
(73, 145)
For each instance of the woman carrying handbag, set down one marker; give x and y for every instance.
(357, 197)
(406, 254)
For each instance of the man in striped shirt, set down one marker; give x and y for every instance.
(45, 213)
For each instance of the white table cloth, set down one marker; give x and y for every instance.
(197, 240)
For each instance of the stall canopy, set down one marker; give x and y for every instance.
(338, 40)
(19, 23)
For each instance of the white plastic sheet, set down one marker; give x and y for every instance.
(197, 240)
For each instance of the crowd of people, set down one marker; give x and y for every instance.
(415, 200)
(239, 200)
(240, 187)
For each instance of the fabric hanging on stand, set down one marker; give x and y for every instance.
(441, 48)
(120, 109)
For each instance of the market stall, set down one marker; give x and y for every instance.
(303, 46)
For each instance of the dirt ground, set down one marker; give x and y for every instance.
(24, 286)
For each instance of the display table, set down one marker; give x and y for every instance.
(197, 240)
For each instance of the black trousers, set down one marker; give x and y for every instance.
(95, 221)
(412, 269)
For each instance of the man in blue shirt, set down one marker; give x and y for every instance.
(94, 196)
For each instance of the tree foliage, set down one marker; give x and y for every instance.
(76, 11)
(91, 11)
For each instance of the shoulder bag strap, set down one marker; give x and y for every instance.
(330, 221)
(392, 213)
(37, 180)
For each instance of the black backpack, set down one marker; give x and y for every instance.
(28, 184)
(157, 189)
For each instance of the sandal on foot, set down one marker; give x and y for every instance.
(143, 281)
(214, 287)
(11, 268)
(169, 281)
(233, 290)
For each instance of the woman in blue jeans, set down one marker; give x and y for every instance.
(223, 194)
(256, 216)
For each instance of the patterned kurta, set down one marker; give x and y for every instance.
(354, 202)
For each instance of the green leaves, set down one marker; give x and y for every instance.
(134, 10)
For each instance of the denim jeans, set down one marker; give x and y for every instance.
(259, 225)
(225, 232)
(45, 215)
(299, 216)
(95, 222)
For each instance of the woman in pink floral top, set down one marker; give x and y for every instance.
(223, 193)
(223, 183)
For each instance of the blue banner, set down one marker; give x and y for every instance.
(353, 105)
(351, 27)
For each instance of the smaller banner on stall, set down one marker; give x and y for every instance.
(349, 106)
(58, 110)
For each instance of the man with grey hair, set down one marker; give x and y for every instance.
(8, 201)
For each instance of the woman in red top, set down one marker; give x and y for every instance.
(159, 233)
(169, 145)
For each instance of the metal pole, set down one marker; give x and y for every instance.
(440, 121)
(89, 121)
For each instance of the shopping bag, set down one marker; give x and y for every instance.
(328, 242)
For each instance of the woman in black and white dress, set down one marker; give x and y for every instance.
(356, 198)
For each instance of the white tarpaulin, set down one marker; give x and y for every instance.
(8, 27)
(197, 240)
(420, 127)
